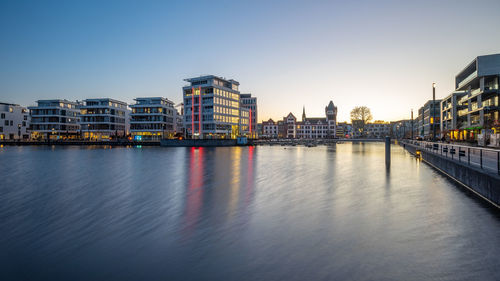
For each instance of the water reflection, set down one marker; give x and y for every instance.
(243, 213)
(194, 196)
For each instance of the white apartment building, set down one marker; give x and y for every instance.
(54, 119)
(152, 119)
(104, 118)
(212, 108)
(14, 123)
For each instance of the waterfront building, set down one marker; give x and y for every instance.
(212, 108)
(450, 119)
(270, 129)
(55, 119)
(401, 129)
(282, 129)
(429, 119)
(179, 120)
(290, 122)
(14, 122)
(249, 102)
(478, 108)
(378, 129)
(344, 130)
(312, 128)
(104, 118)
(259, 129)
(245, 121)
(152, 118)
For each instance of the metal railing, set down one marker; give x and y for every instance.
(483, 158)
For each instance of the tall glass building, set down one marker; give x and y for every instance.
(212, 108)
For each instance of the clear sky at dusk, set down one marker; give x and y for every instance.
(382, 54)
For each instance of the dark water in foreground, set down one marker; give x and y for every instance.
(263, 213)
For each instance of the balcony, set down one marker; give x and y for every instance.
(467, 79)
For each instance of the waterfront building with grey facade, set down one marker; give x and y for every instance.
(428, 122)
(474, 105)
(55, 119)
(152, 118)
(104, 118)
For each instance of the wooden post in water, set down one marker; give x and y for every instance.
(387, 151)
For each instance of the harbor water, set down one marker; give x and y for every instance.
(238, 213)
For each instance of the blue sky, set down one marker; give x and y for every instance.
(382, 54)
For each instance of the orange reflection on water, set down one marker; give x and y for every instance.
(235, 180)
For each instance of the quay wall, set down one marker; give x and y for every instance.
(482, 183)
(112, 143)
(198, 143)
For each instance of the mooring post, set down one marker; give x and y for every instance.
(388, 151)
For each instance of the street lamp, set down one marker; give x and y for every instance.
(19, 132)
(412, 123)
(432, 112)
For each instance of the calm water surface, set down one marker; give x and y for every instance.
(263, 213)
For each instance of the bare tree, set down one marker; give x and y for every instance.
(360, 115)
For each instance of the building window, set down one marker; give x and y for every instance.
(6, 122)
(3, 116)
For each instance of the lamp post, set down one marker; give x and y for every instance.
(412, 123)
(18, 132)
(432, 111)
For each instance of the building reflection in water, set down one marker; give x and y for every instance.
(226, 196)
(235, 181)
(194, 194)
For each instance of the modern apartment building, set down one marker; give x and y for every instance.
(104, 118)
(152, 118)
(429, 119)
(212, 108)
(55, 119)
(478, 108)
(245, 122)
(378, 129)
(450, 106)
(249, 102)
(14, 122)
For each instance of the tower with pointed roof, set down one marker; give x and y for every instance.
(303, 113)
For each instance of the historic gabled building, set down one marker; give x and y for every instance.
(270, 129)
(307, 128)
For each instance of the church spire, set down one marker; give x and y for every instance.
(303, 113)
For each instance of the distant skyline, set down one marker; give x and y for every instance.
(289, 54)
